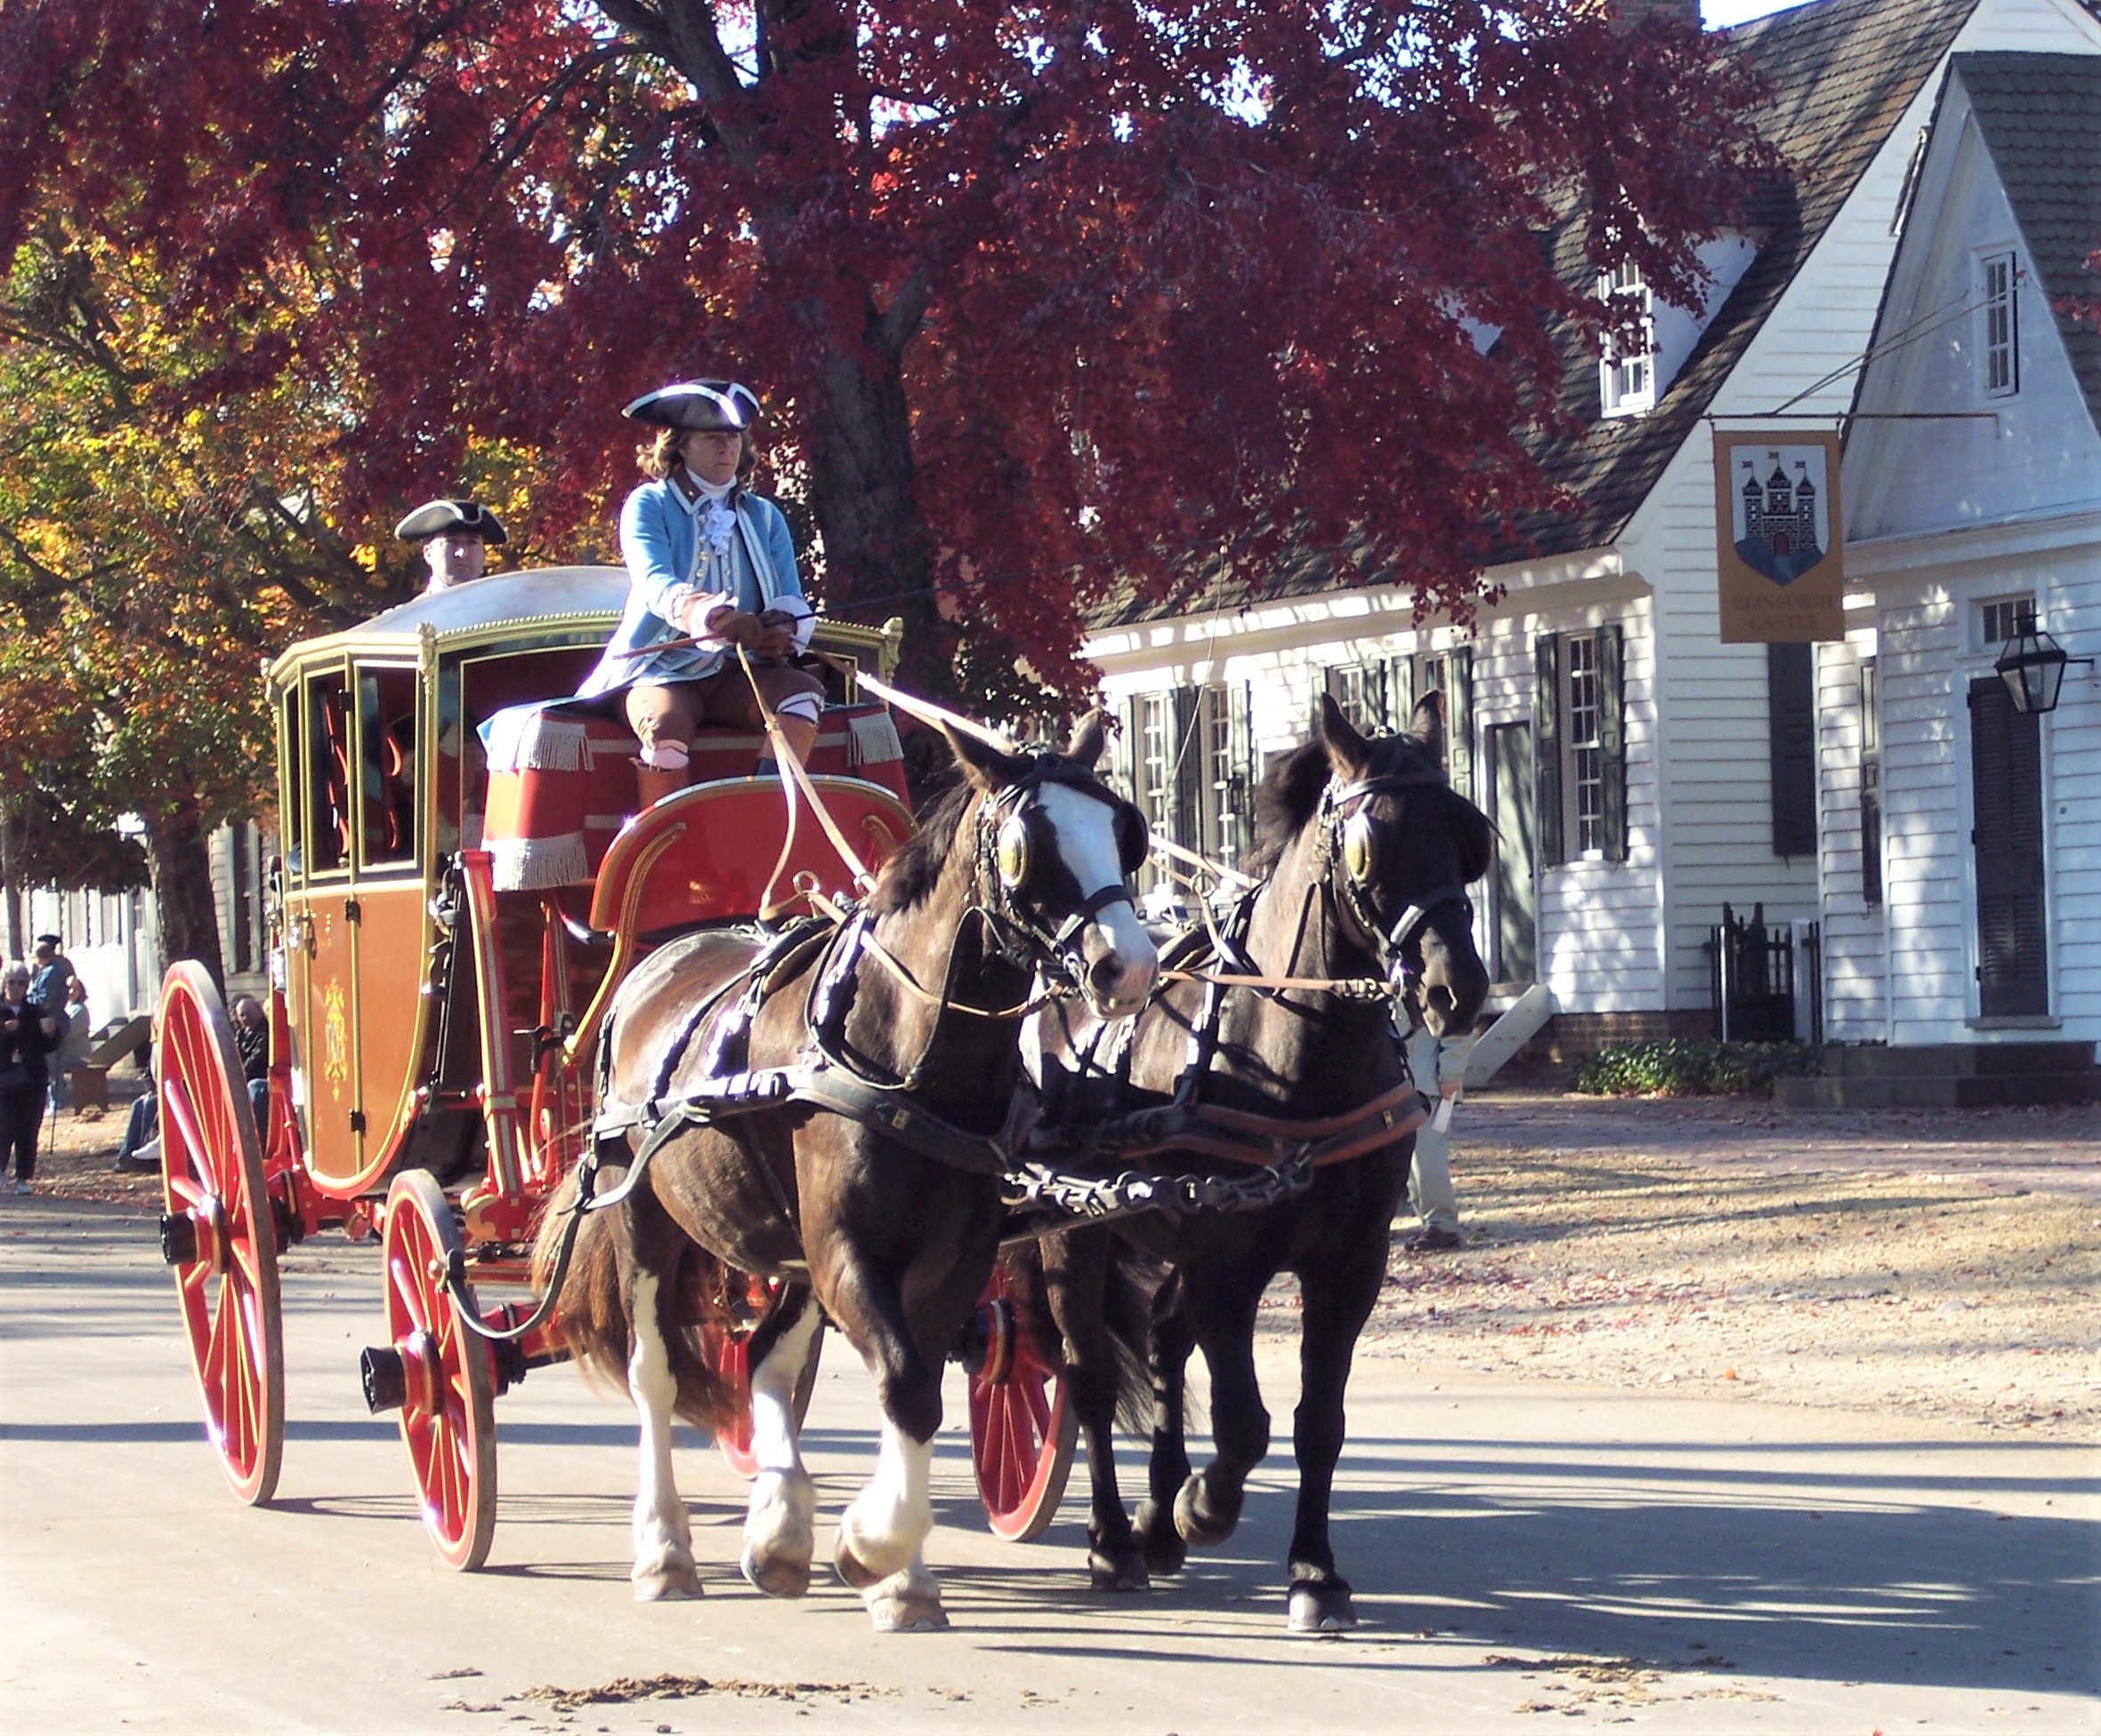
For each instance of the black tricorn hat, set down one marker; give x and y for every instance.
(451, 518)
(706, 406)
(51, 941)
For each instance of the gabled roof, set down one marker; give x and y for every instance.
(2041, 118)
(1840, 74)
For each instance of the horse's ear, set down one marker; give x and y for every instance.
(1347, 751)
(1425, 722)
(1090, 736)
(982, 763)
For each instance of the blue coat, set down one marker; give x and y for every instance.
(660, 541)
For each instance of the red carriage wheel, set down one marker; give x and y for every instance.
(728, 1350)
(219, 1233)
(1022, 1426)
(448, 1375)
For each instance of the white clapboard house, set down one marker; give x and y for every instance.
(1961, 838)
(1641, 773)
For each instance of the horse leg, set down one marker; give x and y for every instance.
(881, 1532)
(780, 1527)
(1337, 1299)
(1168, 1469)
(663, 1535)
(1075, 1269)
(1221, 1310)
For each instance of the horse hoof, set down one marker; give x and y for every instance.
(1121, 1569)
(674, 1582)
(908, 1613)
(1198, 1529)
(1321, 1607)
(1165, 1551)
(848, 1567)
(777, 1576)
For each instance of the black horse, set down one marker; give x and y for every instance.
(1366, 852)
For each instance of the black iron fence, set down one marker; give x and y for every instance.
(1752, 979)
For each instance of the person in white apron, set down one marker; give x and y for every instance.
(712, 563)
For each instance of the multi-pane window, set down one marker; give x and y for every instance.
(1156, 765)
(1583, 745)
(2003, 619)
(1225, 776)
(1628, 380)
(1359, 690)
(2001, 347)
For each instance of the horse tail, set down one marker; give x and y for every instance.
(1134, 1278)
(591, 1308)
(1104, 1292)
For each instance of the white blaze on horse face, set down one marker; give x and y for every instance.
(1122, 960)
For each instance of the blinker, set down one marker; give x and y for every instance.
(1360, 849)
(1015, 852)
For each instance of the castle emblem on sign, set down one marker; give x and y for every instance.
(1782, 527)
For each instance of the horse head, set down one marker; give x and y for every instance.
(1055, 847)
(1400, 846)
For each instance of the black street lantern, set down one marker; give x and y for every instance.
(2031, 665)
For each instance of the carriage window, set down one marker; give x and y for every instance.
(386, 767)
(327, 775)
(291, 803)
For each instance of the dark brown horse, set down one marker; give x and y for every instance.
(1366, 851)
(872, 1191)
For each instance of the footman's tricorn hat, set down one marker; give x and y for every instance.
(705, 407)
(451, 518)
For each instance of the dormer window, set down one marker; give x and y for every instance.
(1627, 384)
(2001, 348)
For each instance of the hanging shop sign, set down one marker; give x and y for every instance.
(1779, 537)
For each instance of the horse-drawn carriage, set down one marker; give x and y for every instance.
(467, 876)
(501, 972)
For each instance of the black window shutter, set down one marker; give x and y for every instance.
(1871, 790)
(1458, 719)
(1792, 715)
(1188, 771)
(1612, 737)
(1547, 757)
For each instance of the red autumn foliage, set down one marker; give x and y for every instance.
(1042, 299)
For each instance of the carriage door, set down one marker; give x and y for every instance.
(389, 910)
(320, 958)
(1516, 874)
(2006, 784)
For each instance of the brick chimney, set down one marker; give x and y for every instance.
(1628, 13)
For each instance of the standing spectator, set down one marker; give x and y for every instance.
(75, 1036)
(251, 1037)
(54, 971)
(1440, 1067)
(28, 1035)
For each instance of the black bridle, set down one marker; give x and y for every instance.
(1009, 824)
(1347, 837)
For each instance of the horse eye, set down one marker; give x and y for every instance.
(1360, 850)
(1015, 852)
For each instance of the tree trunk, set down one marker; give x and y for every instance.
(863, 495)
(10, 885)
(183, 896)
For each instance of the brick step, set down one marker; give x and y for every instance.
(1938, 1091)
(1969, 1060)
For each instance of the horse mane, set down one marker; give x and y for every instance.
(913, 870)
(1291, 796)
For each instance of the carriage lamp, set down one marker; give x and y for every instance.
(2032, 664)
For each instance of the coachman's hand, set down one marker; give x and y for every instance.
(734, 627)
(775, 642)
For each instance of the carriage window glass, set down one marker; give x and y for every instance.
(1585, 770)
(386, 766)
(327, 748)
(291, 803)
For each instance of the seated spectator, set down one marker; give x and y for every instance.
(141, 1150)
(251, 1037)
(75, 1040)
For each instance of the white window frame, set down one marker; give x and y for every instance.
(1999, 618)
(1998, 323)
(1582, 750)
(1627, 385)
